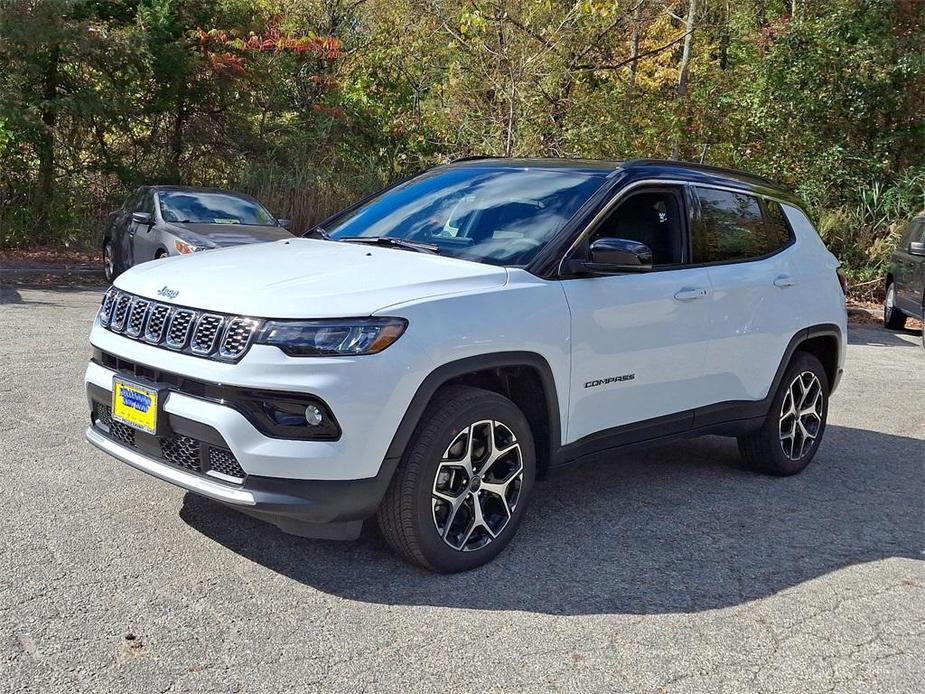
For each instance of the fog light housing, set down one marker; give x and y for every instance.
(306, 418)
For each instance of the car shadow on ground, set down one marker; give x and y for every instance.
(12, 294)
(678, 528)
(877, 335)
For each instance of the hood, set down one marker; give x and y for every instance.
(305, 278)
(228, 234)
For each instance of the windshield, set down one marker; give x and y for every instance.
(495, 215)
(212, 208)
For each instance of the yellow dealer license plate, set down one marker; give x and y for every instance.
(135, 405)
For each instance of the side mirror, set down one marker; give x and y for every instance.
(285, 223)
(142, 218)
(917, 248)
(610, 255)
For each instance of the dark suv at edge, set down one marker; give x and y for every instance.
(905, 279)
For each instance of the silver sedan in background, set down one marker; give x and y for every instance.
(158, 221)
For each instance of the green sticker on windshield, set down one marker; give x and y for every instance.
(225, 221)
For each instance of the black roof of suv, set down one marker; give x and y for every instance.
(656, 169)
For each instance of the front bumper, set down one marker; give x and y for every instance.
(271, 483)
(330, 509)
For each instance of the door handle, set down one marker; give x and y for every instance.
(691, 294)
(784, 281)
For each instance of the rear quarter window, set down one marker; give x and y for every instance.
(731, 226)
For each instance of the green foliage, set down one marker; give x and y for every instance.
(309, 104)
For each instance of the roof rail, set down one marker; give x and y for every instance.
(696, 166)
(474, 157)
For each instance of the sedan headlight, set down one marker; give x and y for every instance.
(332, 338)
(185, 248)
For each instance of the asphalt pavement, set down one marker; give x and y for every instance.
(668, 570)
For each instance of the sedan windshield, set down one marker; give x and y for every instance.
(212, 208)
(495, 215)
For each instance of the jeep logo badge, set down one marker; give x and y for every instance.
(167, 292)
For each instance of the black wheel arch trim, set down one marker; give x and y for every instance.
(732, 418)
(468, 365)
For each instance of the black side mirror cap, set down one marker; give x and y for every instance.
(142, 218)
(917, 248)
(611, 255)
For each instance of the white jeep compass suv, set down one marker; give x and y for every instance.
(426, 354)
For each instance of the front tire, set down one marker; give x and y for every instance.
(109, 262)
(893, 318)
(790, 436)
(463, 483)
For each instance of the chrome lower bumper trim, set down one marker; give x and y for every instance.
(219, 492)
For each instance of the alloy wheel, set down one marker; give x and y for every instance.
(477, 485)
(801, 415)
(888, 304)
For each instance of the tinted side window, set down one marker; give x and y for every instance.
(146, 204)
(132, 201)
(778, 229)
(652, 218)
(914, 232)
(731, 227)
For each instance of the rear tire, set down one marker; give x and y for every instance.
(893, 318)
(463, 483)
(790, 436)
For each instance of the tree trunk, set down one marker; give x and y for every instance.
(176, 141)
(684, 67)
(46, 145)
(634, 46)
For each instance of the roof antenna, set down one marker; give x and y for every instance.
(703, 152)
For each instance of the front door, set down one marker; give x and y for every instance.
(909, 270)
(639, 340)
(144, 236)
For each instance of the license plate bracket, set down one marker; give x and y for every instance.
(137, 404)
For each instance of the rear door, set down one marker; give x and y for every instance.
(747, 245)
(639, 339)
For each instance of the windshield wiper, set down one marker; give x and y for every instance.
(394, 243)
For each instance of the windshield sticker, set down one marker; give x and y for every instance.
(225, 221)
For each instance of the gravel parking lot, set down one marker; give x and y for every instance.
(669, 570)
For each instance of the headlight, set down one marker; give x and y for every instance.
(186, 248)
(332, 338)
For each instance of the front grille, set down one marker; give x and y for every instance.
(122, 433)
(154, 331)
(182, 451)
(208, 330)
(213, 335)
(179, 328)
(109, 300)
(136, 318)
(179, 450)
(237, 337)
(224, 462)
(120, 312)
